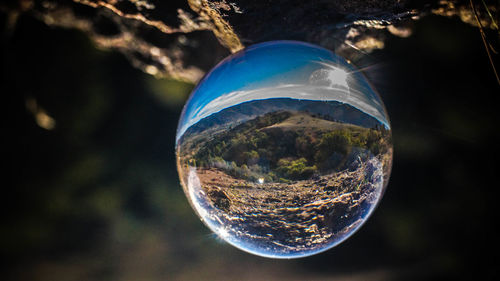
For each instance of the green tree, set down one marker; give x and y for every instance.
(295, 169)
(333, 142)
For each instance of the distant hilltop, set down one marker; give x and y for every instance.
(328, 110)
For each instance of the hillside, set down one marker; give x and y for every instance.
(328, 110)
(304, 122)
(283, 145)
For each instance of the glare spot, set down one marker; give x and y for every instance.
(330, 77)
(42, 118)
(45, 121)
(155, 51)
(151, 69)
(222, 232)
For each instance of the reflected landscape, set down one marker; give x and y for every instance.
(284, 149)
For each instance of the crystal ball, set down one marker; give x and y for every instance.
(284, 149)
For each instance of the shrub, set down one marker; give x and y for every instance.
(295, 169)
(333, 142)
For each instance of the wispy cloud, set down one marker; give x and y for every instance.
(366, 103)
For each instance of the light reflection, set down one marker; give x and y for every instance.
(42, 118)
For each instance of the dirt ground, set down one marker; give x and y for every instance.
(293, 216)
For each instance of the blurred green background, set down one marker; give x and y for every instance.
(91, 192)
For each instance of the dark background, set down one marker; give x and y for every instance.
(98, 198)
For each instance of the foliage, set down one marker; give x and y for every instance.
(257, 149)
(295, 169)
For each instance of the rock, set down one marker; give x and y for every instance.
(182, 39)
(219, 199)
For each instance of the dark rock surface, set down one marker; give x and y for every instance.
(182, 39)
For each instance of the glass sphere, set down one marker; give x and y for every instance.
(284, 149)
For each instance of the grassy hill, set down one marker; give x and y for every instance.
(283, 145)
(328, 110)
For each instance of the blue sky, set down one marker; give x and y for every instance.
(261, 69)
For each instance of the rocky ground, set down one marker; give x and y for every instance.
(291, 217)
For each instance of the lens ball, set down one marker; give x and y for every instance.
(284, 149)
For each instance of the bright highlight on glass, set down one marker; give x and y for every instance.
(284, 149)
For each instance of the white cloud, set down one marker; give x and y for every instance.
(365, 103)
